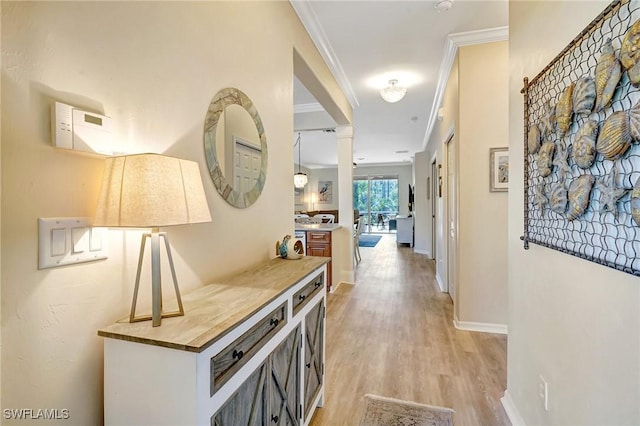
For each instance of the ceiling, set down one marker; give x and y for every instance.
(367, 43)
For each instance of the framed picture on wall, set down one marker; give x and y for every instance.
(325, 192)
(499, 166)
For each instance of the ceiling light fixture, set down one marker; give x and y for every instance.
(443, 5)
(393, 93)
(299, 179)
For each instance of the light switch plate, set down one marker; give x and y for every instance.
(69, 240)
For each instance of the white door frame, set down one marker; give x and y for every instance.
(453, 217)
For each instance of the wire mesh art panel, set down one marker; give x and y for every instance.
(582, 144)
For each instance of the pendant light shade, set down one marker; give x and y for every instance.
(393, 93)
(299, 179)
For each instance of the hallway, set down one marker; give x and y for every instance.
(392, 335)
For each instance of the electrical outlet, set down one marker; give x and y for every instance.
(543, 392)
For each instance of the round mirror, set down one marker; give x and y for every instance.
(235, 147)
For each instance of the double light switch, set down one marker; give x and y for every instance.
(65, 241)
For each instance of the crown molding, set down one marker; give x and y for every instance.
(311, 107)
(451, 45)
(309, 19)
(489, 35)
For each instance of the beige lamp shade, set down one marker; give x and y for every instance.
(151, 191)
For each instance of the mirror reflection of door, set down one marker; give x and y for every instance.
(238, 148)
(247, 160)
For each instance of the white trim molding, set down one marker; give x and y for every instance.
(511, 410)
(451, 45)
(422, 251)
(312, 107)
(481, 327)
(440, 283)
(309, 19)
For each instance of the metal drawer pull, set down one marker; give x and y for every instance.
(237, 354)
(308, 365)
(318, 284)
(274, 419)
(274, 322)
(302, 297)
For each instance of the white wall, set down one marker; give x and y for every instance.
(152, 67)
(574, 322)
(482, 244)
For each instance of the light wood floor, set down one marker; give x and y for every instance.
(392, 335)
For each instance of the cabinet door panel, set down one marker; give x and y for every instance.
(248, 406)
(284, 387)
(319, 250)
(313, 356)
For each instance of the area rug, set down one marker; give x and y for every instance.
(367, 240)
(381, 411)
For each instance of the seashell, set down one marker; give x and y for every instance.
(630, 53)
(545, 158)
(635, 202)
(579, 193)
(539, 197)
(615, 136)
(558, 197)
(584, 145)
(584, 95)
(548, 119)
(634, 121)
(608, 73)
(564, 110)
(533, 139)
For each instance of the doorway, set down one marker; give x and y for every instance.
(376, 198)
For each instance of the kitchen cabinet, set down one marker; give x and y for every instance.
(319, 244)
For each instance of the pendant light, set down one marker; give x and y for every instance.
(299, 179)
(393, 93)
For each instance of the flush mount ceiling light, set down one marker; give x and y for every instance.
(393, 93)
(443, 5)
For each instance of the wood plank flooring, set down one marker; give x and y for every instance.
(392, 335)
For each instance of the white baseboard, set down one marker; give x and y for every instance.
(481, 327)
(511, 410)
(421, 251)
(440, 284)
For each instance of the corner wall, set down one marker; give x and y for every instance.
(152, 67)
(574, 322)
(442, 131)
(482, 237)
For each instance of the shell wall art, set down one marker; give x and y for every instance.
(582, 144)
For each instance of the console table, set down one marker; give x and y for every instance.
(249, 350)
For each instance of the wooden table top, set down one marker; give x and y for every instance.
(215, 309)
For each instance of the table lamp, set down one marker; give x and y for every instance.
(152, 191)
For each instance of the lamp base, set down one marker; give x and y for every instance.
(156, 283)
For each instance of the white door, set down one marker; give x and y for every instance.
(247, 160)
(452, 218)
